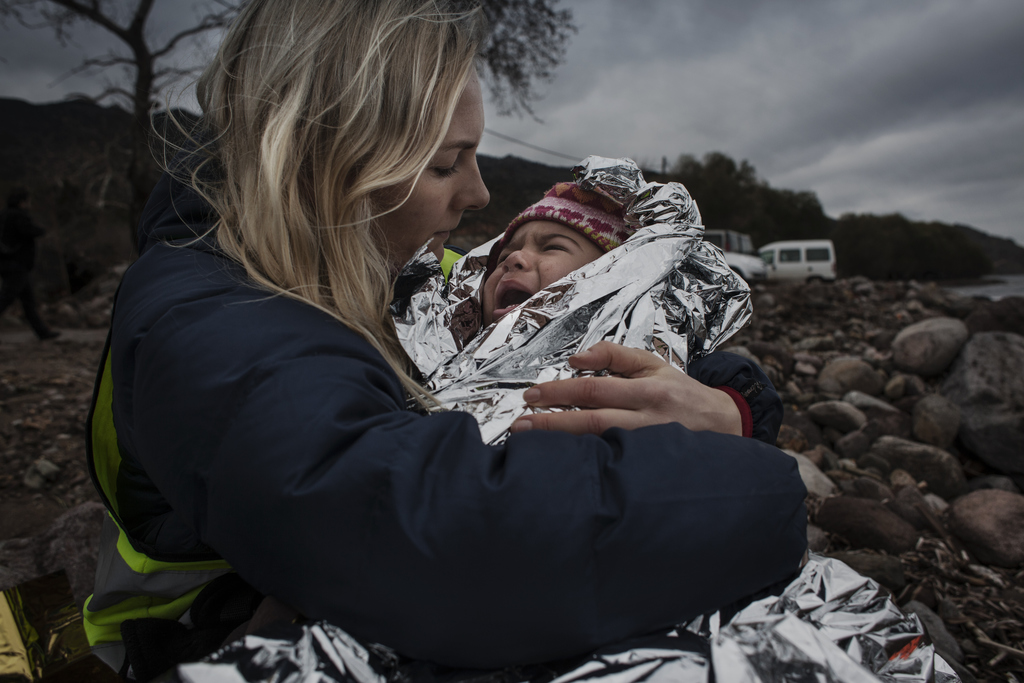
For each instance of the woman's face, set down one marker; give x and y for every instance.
(539, 254)
(450, 185)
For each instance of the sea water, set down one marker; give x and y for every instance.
(998, 287)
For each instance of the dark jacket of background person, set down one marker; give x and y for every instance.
(261, 428)
(18, 239)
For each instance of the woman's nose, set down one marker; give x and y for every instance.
(474, 193)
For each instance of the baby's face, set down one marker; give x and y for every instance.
(539, 253)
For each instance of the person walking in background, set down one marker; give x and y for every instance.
(17, 257)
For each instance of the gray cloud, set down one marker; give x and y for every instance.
(914, 106)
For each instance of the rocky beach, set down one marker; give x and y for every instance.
(904, 409)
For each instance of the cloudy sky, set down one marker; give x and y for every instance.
(915, 106)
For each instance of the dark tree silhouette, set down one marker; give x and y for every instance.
(527, 41)
(145, 58)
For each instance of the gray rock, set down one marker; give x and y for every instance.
(823, 458)
(936, 421)
(838, 414)
(791, 439)
(928, 347)
(47, 469)
(813, 478)
(32, 480)
(987, 383)
(935, 629)
(870, 461)
(815, 344)
(848, 374)
(866, 524)
(899, 478)
(71, 543)
(895, 387)
(993, 481)
(810, 359)
(800, 420)
(856, 443)
(905, 504)
(942, 471)
(886, 423)
(936, 503)
(884, 569)
(990, 523)
(817, 540)
(861, 400)
(866, 487)
(805, 369)
(773, 353)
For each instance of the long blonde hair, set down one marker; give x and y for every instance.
(312, 111)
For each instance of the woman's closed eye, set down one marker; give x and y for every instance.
(444, 171)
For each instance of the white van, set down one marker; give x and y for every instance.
(739, 253)
(800, 260)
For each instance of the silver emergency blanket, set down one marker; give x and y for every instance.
(664, 289)
(830, 625)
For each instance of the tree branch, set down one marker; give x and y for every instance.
(208, 22)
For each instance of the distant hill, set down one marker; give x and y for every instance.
(514, 184)
(72, 156)
(1006, 255)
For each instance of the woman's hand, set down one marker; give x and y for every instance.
(646, 391)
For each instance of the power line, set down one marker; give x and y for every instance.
(527, 144)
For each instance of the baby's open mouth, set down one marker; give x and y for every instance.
(512, 297)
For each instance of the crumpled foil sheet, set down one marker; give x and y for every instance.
(830, 625)
(664, 289)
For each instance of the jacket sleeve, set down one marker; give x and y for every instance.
(279, 437)
(722, 368)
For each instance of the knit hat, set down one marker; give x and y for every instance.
(594, 216)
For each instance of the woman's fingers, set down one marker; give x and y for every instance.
(580, 421)
(590, 392)
(646, 391)
(618, 359)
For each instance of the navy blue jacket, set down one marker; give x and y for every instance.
(260, 429)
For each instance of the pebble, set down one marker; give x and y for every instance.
(791, 439)
(928, 347)
(814, 479)
(866, 524)
(987, 384)
(990, 523)
(993, 481)
(905, 504)
(817, 540)
(861, 400)
(944, 642)
(805, 369)
(866, 487)
(895, 387)
(885, 570)
(942, 471)
(837, 414)
(848, 374)
(936, 421)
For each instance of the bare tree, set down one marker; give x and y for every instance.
(146, 58)
(526, 43)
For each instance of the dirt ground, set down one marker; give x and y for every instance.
(45, 391)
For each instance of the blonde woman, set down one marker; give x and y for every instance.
(250, 434)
